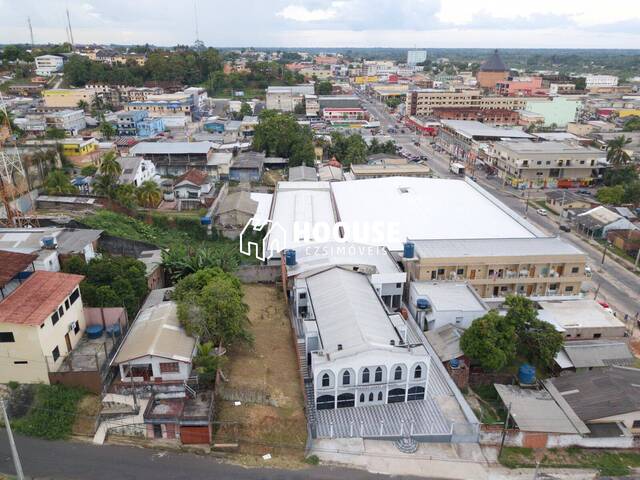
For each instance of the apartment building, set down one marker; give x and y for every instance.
(496, 267)
(415, 57)
(493, 116)
(47, 65)
(41, 322)
(592, 81)
(138, 123)
(519, 86)
(424, 101)
(179, 103)
(546, 163)
(71, 121)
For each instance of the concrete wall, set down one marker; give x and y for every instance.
(258, 273)
(123, 246)
(490, 435)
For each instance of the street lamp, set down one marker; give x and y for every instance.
(604, 252)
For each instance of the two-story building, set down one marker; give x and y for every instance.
(41, 322)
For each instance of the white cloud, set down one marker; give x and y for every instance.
(304, 14)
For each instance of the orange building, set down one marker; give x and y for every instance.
(492, 71)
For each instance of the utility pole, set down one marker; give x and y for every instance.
(504, 430)
(70, 31)
(14, 451)
(604, 252)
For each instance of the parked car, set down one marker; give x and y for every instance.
(583, 192)
(542, 211)
(565, 228)
(587, 270)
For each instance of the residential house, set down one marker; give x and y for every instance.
(154, 272)
(247, 167)
(561, 201)
(234, 212)
(14, 269)
(138, 123)
(192, 185)
(136, 170)
(218, 165)
(41, 322)
(599, 221)
(582, 355)
(156, 349)
(175, 158)
(71, 121)
(581, 319)
(329, 173)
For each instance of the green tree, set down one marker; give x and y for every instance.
(616, 154)
(83, 105)
(279, 134)
(53, 133)
(107, 130)
(180, 261)
(620, 176)
(632, 125)
(58, 183)
(632, 193)
(126, 196)
(207, 363)
(109, 165)
(491, 341)
(88, 170)
(149, 194)
(105, 185)
(245, 110)
(324, 88)
(611, 195)
(211, 305)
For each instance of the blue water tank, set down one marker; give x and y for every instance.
(290, 257)
(409, 249)
(48, 242)
(527, 374)
(422, 303)
(454, 362)
(94, 331)
(113, 330)
(205, 220)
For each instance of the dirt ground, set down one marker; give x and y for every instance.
(88, 410)
(270, 365)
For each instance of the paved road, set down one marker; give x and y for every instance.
(59, 460)
(617, 285)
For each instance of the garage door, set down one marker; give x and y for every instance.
(192, 435)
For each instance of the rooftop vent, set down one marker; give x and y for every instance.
(392, 342)
(339, 346)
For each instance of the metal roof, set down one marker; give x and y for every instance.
(598, 353)
(240, 201)
(493, 63)
(600, 393)
(494, 247)
(448, 296)
(166, 148)
(537, 411)
(348, 312)
(472, 128)
(157, 332)
(445, 340)
(303, 173)
(12, 263)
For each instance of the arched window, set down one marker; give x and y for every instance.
(396, 395)
(416, 393)
(346, 378)
(326, 381)
(325, 402)
(371, 397)
(379, 396)
(362, 398)
(346, 400)
(417, 373)
(365, 375)
(378, 377)
(397, 374)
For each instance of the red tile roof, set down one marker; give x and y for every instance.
(194, 176)
(12, 263)
(38, 297)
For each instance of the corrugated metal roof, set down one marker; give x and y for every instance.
(447, 296)
(445, 341)
(303, 173)
(157, 332)
(176, 148)
(348, 311)
(598, 353)
(494, 247)
(12, 263)
(536, 411)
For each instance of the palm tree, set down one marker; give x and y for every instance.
(83, 105)
(616, 154)
(105, 185)
(149, 194)
(58, 183)
(109, 165)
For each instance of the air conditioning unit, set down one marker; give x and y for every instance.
(73, 325)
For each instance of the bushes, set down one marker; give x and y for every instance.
(52, 413)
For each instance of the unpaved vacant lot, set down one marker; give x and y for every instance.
(277, 425)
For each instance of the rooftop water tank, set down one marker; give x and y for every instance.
(409, 249)
(422, 303)
(205, 220)
(290, 258)
(454, 362)
(94, 331)
(527, 374)
(48, 242)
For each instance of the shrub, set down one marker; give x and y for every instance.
(312, 460)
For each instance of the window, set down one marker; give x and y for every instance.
(74, 296)
(378, 377)
(568, 289)
(303, 295)
(417, 373)
(56, 354)
(7, 337)
(20, 362)
(441, 271)
(490, 272)
(61, 310)
(397, 375)
(379, 396)
(365, 375)
(398, 285)
(326, 381)
(346, 400)
(460, 271)
(169, 367)
(416, 393)
(636, 424)
(597, 335)
(54, 318)
(396, 395)
(76, 327)
(325, 402)
(362, 398)
(575, 269)
(346, 378)
(66, 304)
(371, 397)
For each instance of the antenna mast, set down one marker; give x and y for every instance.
(30, 31)
(70, 31)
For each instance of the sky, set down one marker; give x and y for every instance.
(331, 23)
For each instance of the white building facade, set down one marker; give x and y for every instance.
(47, 65)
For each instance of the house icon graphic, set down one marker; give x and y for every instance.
(252, 248)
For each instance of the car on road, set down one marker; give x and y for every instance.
(583, 192)
(587, 270)
(542, 211)
(565, 228)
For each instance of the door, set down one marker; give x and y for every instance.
(472, 274)
(194, 435)
(157, 431)
(68, 342)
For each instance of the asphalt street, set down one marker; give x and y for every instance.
(58, 460)
(613, 283)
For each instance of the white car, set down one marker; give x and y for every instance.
(542, 211)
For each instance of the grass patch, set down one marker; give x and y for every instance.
(52, 413)
(608, 463)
